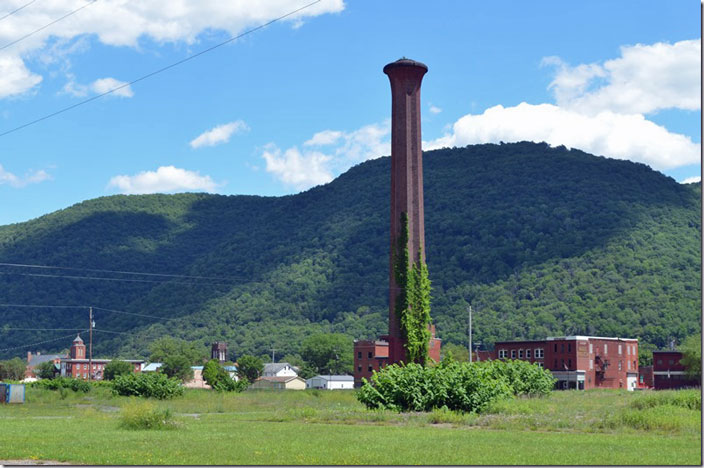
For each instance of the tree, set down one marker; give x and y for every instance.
(45, 370)
(329, 353)
(459, 353)
(249, 367)
(115, 368)
(177, 366)
(13, 369)
(167, 346)
(219, 379)
(692, 356)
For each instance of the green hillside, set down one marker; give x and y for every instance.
(542, 241)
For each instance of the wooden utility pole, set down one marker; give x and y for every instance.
(272, 354)
(90, 343)
(469, 332)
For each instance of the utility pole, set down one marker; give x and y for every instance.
(470, 332)
(272, 355)
(90, 343)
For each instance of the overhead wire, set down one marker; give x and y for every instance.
(16, 10)
(160, 70)
(99, 278)
(47, 25)
(27, 345)
(124, 272)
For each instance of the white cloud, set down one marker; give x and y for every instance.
(125, 23)
(621, 136)
(691, 180)
(327, 153)
(645, 79)
(219, 134)
(103, 85)
(15, 78)
(434, 109)
(296, 169)
(99, 86)
(32, 177)
(164, 179)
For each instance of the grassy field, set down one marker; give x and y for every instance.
(317, 427)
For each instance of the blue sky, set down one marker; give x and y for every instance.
(297, 103)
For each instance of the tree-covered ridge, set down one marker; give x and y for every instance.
(542, 241)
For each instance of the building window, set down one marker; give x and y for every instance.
(527, 353)
(635, 366)
(359, 368)
(591, 364)
(539, 353)
(660, 361)
(620, 365)
(502, 354)
(569, 347)
(671, 361)
(513, 354)
(520, 354)
(562, 347)
(606, 349)
(85, 366)
(369, 368)
(569, 363)
(591, 348)
(540, 364)
(369, 354)
(619, 349)
(359, 355)
(628, 364)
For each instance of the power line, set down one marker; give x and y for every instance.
(43, 306)
(100, 278)
(47, 25)
(40, 342)
(134, 313)
(18, 9)
(2, 329)
(96, 270)
(149, 75)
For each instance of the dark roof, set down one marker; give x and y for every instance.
(38, 359)
(404, 62)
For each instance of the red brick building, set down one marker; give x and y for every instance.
(669, 372)
(78, 366)
(579, 362)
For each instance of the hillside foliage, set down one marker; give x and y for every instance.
(541, 241)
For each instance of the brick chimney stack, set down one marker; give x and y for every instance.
(406, 178)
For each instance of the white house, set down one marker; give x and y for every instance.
(331, 382)
(279, 369)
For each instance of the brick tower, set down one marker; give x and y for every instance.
(219, 351)
(78, 348)
(406, 179)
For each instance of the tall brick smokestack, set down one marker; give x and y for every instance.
(406, 177)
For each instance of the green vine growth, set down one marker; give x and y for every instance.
(413, 299)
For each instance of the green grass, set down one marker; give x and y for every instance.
(595, 427)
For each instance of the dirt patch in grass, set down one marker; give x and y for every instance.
(32, 462)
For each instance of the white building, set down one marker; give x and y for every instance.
(331, 382)
(279, 369)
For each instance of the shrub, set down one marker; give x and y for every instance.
(150, 385)
(63, 383)
(145, 415)
(115, 368)
(466, 387)
(219, 379)
(690, 399)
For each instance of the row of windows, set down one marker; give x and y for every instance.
(369, 368)
(503, 353)
(369, 354)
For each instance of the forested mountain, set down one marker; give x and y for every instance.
(542, 241)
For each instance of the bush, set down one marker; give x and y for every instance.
(115, 368)
(145, 415)
(466, 387)
(65, 383)
(219, 379)
(150, 385)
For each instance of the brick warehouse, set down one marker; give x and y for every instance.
(579, 362)
(78, 366)
(669, 373)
